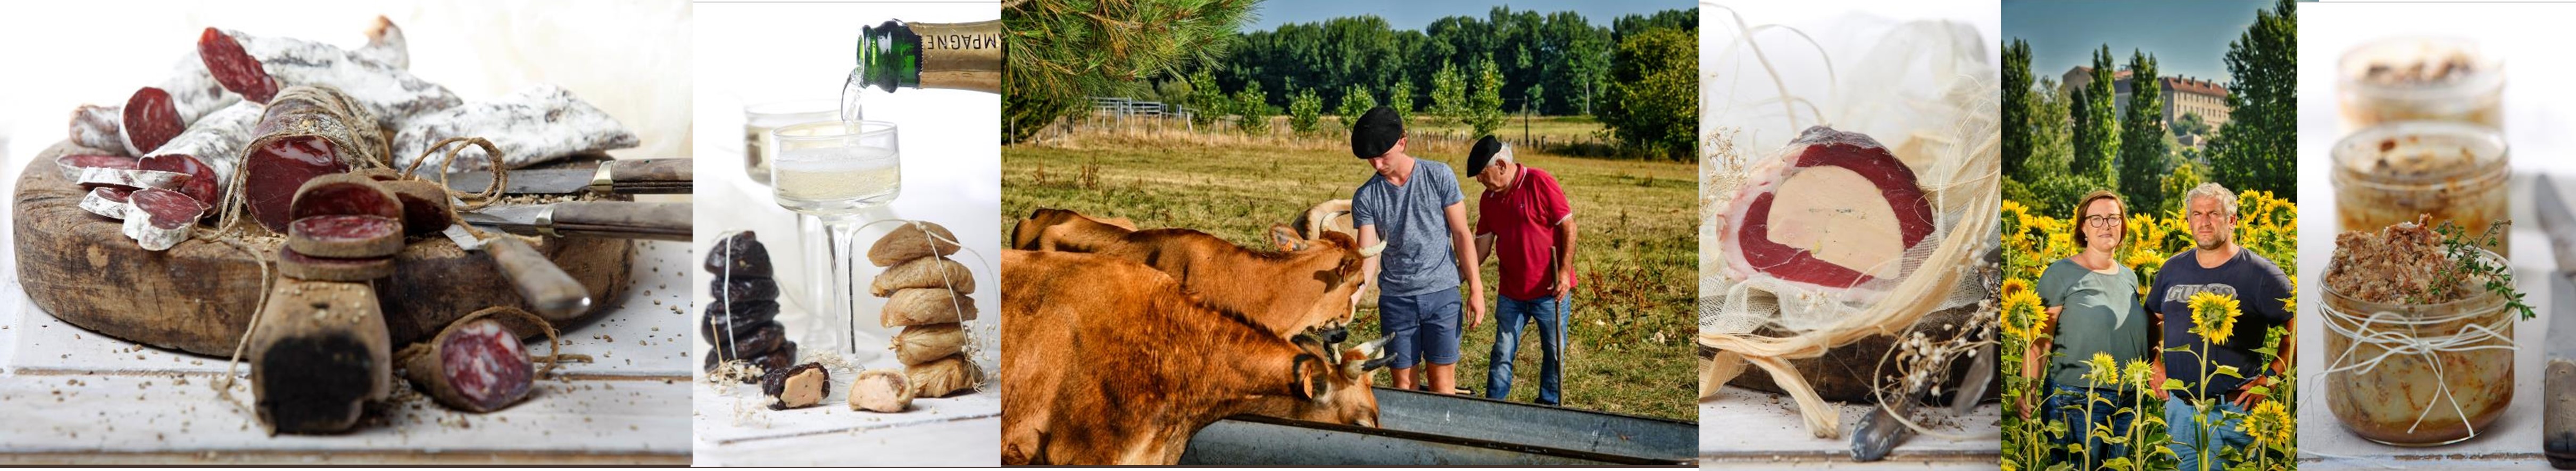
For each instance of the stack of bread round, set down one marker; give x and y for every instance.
(926, 296)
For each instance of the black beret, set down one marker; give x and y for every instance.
(1377, 131)
(1482, 154)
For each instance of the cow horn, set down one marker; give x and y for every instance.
(1373, 249)
(1375, 349)
(1374, 363)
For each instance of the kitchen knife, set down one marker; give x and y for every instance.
(550, 292)
(632, 177)
(610, 219)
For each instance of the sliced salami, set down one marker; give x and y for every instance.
(210, 151)
(95, 177)
(306, 132)
(343, 194)
(536, 124)
(99, 127)
(110, 202)
(307, 267)
(72, 165)
(260, 67)
(424, 204)
(345, 236)
(476, 366)
(154, 115)
(160, 218)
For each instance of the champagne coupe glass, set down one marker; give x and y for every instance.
(759, 120)
(831, 172)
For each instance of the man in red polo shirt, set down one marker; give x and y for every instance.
(1523, 218)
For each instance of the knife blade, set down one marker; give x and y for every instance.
(631, 177)
(608, 219)
(2558, 220)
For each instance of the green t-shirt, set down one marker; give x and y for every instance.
(2102, 315)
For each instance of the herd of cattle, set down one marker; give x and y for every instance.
(1124, 342)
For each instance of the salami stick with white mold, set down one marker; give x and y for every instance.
(261, 68)
(477, 363)
(306, 132)
(100, 127)
(210, 151)
(161, 218)
(537, 124)
(155, 115)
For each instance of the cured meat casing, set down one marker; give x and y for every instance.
(158, 114)
(533, 125)
(306, 132)
(215, 144)
(260, 68)
(1751, 226)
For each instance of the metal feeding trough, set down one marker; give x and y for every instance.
(1434, 429)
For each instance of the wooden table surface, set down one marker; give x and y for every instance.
(75, 396)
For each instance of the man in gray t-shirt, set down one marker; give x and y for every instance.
(1416, 207)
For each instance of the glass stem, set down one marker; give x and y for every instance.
(844, 231)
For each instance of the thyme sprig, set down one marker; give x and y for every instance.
(2468, 264)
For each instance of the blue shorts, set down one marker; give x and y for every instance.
(1422, 327)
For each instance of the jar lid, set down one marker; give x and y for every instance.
(2425, 68)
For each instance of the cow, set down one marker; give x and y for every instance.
(1110, 362)
(1335, 216)
(1065, 230)
(1306, 286)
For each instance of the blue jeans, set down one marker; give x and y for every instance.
(2066, 405)
(1509, 316)
(1424, 327)
(2223, 433)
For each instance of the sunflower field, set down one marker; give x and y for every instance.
(2266, 225)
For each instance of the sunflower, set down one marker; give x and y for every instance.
(2213, 316)
(2271, 422)
(2136, 374)
(2015, 285)
(2021, 315)
(2101, 369)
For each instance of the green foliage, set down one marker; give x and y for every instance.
(2191, 124)
(2016, 107)
(2181, 180)
(1206, 101)
(2143, 146)
(1400, 98)
(1252, 109)
(2097, 138)
(1653, 99)
(1355, 102)
(1448, 92)
(1485, 107)
(2255, 150)
(1065, 50)
(1304, 111)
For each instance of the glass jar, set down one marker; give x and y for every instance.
(2398, 172)
(2430, 398)
(2411, 78)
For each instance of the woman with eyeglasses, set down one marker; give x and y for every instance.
(2092, 307)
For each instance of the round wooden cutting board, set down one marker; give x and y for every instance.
(198, 296)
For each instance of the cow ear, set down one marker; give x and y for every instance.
(1285, 238)
(1314, 381)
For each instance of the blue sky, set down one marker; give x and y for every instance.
(2187, 37)
(1413, 15)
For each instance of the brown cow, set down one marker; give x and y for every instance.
(1309, 285)
(1065, 230)
(1109, 362)
(1335, 216)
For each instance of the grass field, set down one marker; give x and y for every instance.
(1629, 350)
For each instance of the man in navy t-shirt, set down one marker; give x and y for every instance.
(2216, 265)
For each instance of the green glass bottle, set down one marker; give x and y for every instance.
(957, 56)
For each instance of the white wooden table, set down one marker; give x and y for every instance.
(74, 396)
(1746, 429)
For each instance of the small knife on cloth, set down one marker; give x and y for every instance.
(631, 177)
(609, 219)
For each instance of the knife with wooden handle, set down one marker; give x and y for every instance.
(629, 177)
(607, 219)
(549, 291)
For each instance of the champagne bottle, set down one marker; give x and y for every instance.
(957, 56)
